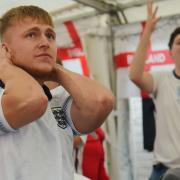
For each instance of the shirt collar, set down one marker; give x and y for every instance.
(176, 76)
(47, 92)
(2, 85)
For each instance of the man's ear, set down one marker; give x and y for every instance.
(8, 50)
(5, 45)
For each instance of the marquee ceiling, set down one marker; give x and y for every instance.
(123, 11)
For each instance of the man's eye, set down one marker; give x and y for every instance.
(31, 35)
(50, 36)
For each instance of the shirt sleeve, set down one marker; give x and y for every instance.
(4, 126)
(157, 79)
(67, 110)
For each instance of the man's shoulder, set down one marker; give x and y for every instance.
(160, 76)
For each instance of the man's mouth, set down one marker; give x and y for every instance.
(44, 55)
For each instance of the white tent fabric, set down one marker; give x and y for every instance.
(134, 10)
(47, 5)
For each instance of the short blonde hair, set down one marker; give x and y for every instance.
(21, 12)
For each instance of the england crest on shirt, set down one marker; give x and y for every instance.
(60, 117)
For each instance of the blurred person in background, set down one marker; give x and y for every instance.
(165, 89)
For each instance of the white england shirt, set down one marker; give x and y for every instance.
(41, 150)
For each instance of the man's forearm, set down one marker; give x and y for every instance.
(92, 102)
(137, 65)
(23, 98)
(77, 84)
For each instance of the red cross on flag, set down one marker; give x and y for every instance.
(73, 57)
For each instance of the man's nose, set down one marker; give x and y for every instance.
(43, 43)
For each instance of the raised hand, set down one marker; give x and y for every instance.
(151, 16)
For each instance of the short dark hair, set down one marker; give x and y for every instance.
(173, 36)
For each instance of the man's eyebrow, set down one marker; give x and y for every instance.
(38, 29)
(50, 30)
(33, 29)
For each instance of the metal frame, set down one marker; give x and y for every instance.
(84, 8)
(113, 8)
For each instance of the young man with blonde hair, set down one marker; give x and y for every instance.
(37, 127)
